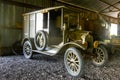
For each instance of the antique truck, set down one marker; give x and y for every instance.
(57, 30)
(115, 39)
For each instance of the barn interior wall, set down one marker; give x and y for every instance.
(11, 19)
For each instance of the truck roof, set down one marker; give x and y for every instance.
(44, 10)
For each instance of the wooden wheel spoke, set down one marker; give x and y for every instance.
(76, 68)
(68, 59)
(68, 63)
(76, 61)
(69, 56)
(73, 61)
(73, 55)
(75, 58)
(76, 64)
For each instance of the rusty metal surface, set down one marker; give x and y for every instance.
(108, 7)
(115, 41)
(11, 21)
(10, 25)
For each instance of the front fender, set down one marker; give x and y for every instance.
(76, 44)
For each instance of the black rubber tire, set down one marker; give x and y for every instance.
(37, 42)
(75, 64)
(100, 56)
(27, 49)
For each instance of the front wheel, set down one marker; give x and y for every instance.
(27, 49)
(100, 56)
(73, 61)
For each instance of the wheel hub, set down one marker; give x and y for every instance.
(73, 62)
(27, 49)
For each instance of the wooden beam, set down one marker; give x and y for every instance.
(77, 6)
(110, 5)
(74, 5)
(21, 4)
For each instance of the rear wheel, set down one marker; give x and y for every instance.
(73, 61)
(27, 49)
(100, 56)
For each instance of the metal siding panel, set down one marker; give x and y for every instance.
(11, 16)
(39, 2)
(6, 16)
(18, 17)
(11, 20)
(9, 36)
(39, 21)
(9, 32)
(1, 15)
(26, 26)
(18, 0)
(32, 25)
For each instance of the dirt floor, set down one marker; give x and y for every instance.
(41, 67)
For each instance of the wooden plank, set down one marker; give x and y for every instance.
(21, 4)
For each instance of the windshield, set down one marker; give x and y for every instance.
(71, 19)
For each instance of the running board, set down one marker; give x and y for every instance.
(50, 52)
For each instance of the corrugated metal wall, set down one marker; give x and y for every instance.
(11, 20)
(10, 26)
(9, 23)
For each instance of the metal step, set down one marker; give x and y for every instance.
(49, 51)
